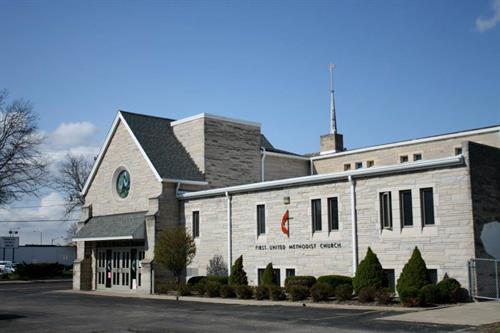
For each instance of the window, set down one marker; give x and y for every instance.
(196, 224)
(403, 159)
(261, 219)
(333, 214)
(433, 275)
(458, 151)
(417, 157)
(370, 163)
(389, 279)
(386, 210)
(347, 167)
(316, 214)
(427, 206)
(276, 276)
(290, 272)
(405, 208)
(260, 274)
(358, 165)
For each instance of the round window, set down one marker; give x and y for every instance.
(123, 184)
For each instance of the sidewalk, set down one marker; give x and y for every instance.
(252, 302)
(472, 314)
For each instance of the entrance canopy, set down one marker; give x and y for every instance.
(112, 227)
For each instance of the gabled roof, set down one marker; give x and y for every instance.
(264, 143)
(112, 227)
(155, 139)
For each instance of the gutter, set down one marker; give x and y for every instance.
(329, 177)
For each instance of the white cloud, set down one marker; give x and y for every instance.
(73, 134)
(484, 24)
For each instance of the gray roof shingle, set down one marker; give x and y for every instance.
(168, 155)
(110, 226)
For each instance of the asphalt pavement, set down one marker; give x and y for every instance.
(38, 307)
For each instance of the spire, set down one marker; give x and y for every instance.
(333, 120)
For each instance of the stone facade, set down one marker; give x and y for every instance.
(281, 167)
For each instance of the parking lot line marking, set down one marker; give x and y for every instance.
(339, 316)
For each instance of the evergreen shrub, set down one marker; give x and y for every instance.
(276, 293)
(268, 276)
(244, 291)
(409, 297)
(321, 291)
(366, 295)
(227, 291)
(300, 280)
(238, 275)
(414, 274)
(343, 292)
(384, 296)
(448, 290)
(212, 289)
(298, 292)
(369, 273)
(427, 295)
(335, 280)
(261, 292)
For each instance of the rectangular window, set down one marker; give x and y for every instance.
(196, 224)
(433, 275)
(386, 210)
(316, 214)
(333, 214)
(260, 273)
(277, 276)
(427, 206)
(370, 163)
(261, 219)
(458, 151)
(405, 208)
(389, 279)
(403, 159)
(358, 165)
(290, 272)
(417, 157)
(347, 167)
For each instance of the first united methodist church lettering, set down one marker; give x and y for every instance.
(225, 182)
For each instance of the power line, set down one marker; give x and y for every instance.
(22, 207)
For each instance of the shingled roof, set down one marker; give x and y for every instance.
(264, 143)
(166, 153)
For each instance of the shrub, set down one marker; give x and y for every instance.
(261, 292)
(227, 291)
(199, 288)
(195, 279)
(217, 266)
(321, 291)
(335, 280)
(383, 296)
(427, 295)
(298, 292)
(414, 273)
(366, 295)
(39, 271)
(238, 275)
(218, 279)
(183, 290)
(268, 276)
(244, 292)
(276, 293)
(448, 290)
(369, 273)
(343, 292)
(212, 289)
(409, 297)
(299, 280)
(164, 287)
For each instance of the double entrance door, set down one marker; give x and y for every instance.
(119, 267)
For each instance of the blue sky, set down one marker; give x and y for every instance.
(405, 69)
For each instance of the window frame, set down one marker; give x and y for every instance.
(370, 163)
(358, 165)
(415, 159)
(404, 159)
(384, 208)
(402, 209)
(316, 221)
(333, 214)
(424, 208)
(347, 166)
(195, 223)
(261, 224)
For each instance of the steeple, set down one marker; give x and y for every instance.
(332, 142)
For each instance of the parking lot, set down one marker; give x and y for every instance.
(39, 307)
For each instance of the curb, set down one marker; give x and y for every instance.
(232, 301)
(33, 281)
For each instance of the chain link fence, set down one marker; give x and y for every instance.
(485, 278)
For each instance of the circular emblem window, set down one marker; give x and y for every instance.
(123, 184)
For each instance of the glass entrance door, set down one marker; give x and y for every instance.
(119, 268)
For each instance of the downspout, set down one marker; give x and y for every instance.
(354, 226)
(311, 166)
(262, 162)
(229, 234)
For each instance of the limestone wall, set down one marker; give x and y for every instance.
(276, 167)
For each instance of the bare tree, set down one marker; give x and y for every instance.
(71, 232)
(70, 180)
(22, 167)
(216, 266)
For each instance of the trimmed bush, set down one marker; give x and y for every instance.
(261, 292)
(409, 297)
(218, 279)
(427, 295)
(366, 295)
(212, 289)
(227, 291)
(244, 292)
(238, 275)
(335, 280)
(298, 292)
(183, 290)
(343, 292)
(448, 290)
(276, 293)
(383, 296)
(321, 291)
(369, 273)
(414, 273)
(164, 287)
(200, 289)
(268, 276)
(195, 279)
(300, 280)
(39, 271)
